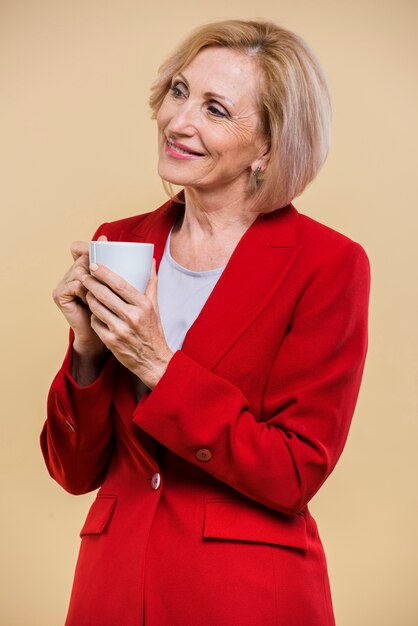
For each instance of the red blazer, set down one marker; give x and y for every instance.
(201, 518)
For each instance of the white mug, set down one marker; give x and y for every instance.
(131, 260)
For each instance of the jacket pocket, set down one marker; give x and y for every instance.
(241, 521)
(98, 515)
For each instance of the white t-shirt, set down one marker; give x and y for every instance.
(182, 294)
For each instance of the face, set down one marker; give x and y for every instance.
(209, 126)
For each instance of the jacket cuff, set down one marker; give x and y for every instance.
(89, 395)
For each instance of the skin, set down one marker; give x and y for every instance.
(71, 298)
(211, 110)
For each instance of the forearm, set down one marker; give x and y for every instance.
(77, 435)
(87, 362)
(194, 411)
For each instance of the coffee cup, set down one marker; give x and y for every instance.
(131, 260)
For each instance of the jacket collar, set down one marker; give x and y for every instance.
(255, 270)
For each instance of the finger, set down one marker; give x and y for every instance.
(106, 297)
(102, 312)
(151, 290)
(76, 271)
(101, 330)
(79, 248)
(73, 289)
(117, 284)
(110, 336)
(83, 262)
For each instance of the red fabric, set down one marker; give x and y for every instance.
(267, 382)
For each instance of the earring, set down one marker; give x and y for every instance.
(257, 172)
(255, 181)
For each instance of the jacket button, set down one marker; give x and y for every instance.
(203, 455)
(156, 481)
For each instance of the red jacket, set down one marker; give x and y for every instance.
(201, 518)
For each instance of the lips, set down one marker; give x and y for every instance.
(182, 149)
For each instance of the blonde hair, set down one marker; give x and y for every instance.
(294, 101)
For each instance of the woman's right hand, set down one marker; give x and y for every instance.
(70, 297)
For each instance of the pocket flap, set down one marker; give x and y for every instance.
(240, 521)
(98, 515)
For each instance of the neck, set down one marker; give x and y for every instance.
(207, 233)
(216, 216)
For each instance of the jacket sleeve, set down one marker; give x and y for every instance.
(281, 458)
(76, 439)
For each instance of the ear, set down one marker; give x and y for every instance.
(260, 163)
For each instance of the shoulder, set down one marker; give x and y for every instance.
(330, 261)
(312, 232)
(324, 244)
(318, 245)
(137, 224)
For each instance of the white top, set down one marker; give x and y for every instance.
(182, 294)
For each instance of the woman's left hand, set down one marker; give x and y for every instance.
(128, 322)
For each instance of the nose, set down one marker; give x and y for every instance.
(185, 119)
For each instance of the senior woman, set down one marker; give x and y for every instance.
(210, 409)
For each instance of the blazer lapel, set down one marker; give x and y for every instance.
(155, 229)
(151, 228)
(255, 270)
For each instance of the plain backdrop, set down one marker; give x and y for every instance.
(78, 147)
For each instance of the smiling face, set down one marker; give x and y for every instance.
(209, 125)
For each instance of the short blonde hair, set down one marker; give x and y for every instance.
(294, 103)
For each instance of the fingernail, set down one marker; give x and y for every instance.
(94, 267)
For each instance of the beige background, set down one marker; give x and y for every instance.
(78, 148)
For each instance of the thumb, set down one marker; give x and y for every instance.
(78, 248)
(151, 289)
(102, 238)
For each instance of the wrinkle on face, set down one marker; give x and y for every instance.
(241, 126)
(230, 144)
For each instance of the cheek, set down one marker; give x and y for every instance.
(163, 115)
(160, 120)
(238, 134)
(236, 139)
(243, 133)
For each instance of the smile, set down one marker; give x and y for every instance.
(180, 151)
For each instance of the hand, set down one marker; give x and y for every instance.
(128, 322)
(70, 297)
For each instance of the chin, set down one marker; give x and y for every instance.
(172, 180)
(171, 176)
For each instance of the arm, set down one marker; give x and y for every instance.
(308, 401)
(77, 436)
(76, 439)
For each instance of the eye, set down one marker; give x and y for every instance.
(217, 110)
(178, 90)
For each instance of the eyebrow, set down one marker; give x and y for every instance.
(210, 94)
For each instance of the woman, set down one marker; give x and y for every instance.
(210, 409)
